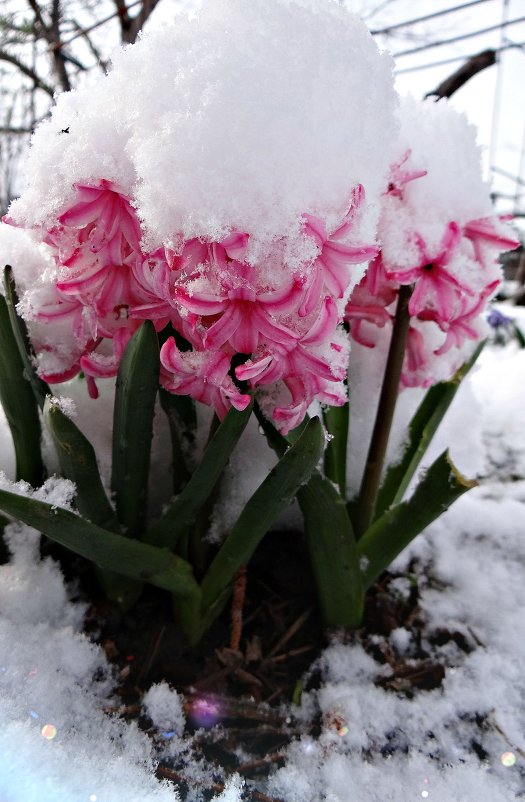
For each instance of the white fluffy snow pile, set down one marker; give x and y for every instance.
(212, 126)
(459, 743)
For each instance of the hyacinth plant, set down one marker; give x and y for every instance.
(244, 321)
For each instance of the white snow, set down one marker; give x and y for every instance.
(375, 744)
(202, 155)
(246, 96)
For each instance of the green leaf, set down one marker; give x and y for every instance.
(175, 521)
(336, 423)
(421, 430)
(261, 510)
(18, 402)
(79, 464)
(518, 334)
(136, 391)
(25, 348)
(106, 549)
(331, 542)
(333, 552)
(180, 412)
(440, 486)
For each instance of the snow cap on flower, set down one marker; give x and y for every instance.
(236, 199)
(261, 111)
(438, 237)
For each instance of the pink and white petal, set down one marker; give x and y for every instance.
(314, 227)
(254, 368)
(246, 337)
(325, 325)
(313, 291)
(270, 329)
(171, 357)
(285, 298)
(200, 303)
(235, 245)
(83, 213)
(356, 201)
(224, 328)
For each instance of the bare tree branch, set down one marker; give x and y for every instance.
(28, 71)
(148, 7)
(130, 26)
(33, 5)
(56, 47)
(51, 33)
(9, 129)
(124, 20)
(467, 70)
(91, 45)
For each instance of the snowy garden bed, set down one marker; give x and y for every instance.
(379, 738)
(261, 577)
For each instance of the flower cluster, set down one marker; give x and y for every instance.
(244, 234)
(452, 269)
(225, 320)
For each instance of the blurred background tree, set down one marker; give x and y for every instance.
(46, 48)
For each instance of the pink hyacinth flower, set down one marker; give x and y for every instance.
(242, 316)
(400, 176)
(330, 269)
(296, 359)
(97, 240)
(462, 327)
(434, 285)
(368, 303)
(97, 365)
(303, 391)
(489, 231)
(203, 375)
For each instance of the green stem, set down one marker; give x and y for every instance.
(336, 421)
(385, 413)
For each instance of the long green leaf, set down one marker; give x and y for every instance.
(180, 412)
(78, 463)
(106, 549)
(175, 521)
(136, 391)
(261, 510)
(440, 486)
(18, 402)
(421, 430)
(336, 421)
(331, 542)
(25, 349)
(333, 552)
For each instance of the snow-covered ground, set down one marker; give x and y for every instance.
(462, 742)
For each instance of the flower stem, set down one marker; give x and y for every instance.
(385, 413)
